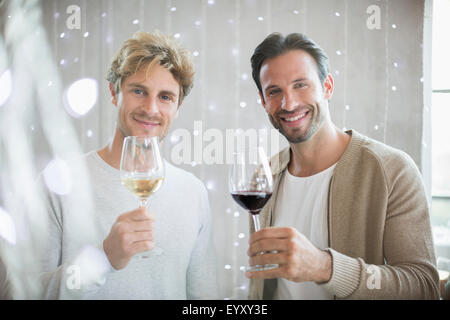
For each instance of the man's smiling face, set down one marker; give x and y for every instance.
(148, 102)
(293, 95)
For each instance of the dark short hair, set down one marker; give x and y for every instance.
(276, 44)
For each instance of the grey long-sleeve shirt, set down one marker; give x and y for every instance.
(74, 269)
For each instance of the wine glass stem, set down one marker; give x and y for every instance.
(256, 222)
(143, 203)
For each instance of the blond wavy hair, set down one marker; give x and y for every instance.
(145, 49)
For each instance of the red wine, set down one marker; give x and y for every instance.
(252, 201)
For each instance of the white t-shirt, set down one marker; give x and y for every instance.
(302, 204)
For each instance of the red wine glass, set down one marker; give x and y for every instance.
(251, 186)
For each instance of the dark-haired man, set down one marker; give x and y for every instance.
(348, 217)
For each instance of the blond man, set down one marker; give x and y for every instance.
(148, 79)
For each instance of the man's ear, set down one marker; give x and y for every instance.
(328, 86)
(112, 90)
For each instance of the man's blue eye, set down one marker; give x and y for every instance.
(138, 91)
(165, 97)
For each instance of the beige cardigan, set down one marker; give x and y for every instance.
(379, 229)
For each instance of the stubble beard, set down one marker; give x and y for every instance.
(125, 131)
(313, 128)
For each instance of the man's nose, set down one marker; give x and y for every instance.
(151, 105)
(289, 102)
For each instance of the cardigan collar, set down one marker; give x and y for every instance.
(280, 161)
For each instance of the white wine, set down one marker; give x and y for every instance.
(143, 188)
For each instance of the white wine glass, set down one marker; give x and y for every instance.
(142, 171)
(251, 185)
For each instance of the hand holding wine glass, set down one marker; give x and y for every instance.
(251, 186)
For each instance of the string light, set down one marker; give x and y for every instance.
(174, 138)
(81, 96)
(210, 185)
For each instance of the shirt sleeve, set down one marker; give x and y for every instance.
(65, 275)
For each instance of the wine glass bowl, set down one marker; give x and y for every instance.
(251, 184)
(142, 169)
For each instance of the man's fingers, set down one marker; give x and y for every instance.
(265, 274)
(142, 225)
(272, 232)
(268, 245)
(137, 215)
(268, 258)
(141, 236)
(142, 246)
(133, 226)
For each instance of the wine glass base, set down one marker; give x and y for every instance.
(261, 267)
(148, 254)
